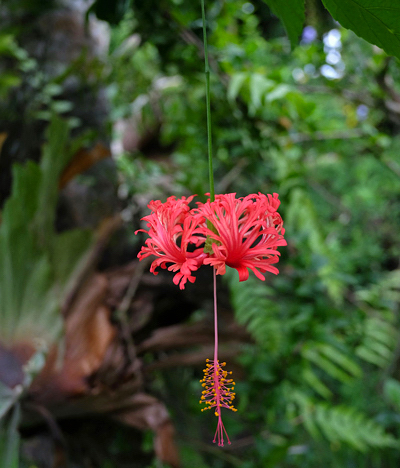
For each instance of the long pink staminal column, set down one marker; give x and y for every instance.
(218, 389)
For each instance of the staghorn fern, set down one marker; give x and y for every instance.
(36, 263)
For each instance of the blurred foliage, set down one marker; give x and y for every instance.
(312, 124)
(320, 125)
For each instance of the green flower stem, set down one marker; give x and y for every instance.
(208, 106)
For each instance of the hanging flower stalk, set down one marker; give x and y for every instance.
(241, 233)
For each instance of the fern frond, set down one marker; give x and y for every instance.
(311, 379)
(341, 424)
(379, 341)
(385, 293)
(303, 217)
(255, 308)
(330, 359)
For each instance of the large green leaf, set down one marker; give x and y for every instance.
(377, 21)
(292, 16)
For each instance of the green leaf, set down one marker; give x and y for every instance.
(259, 85)
(255, 308)
(341, 424)
(35, 364)
(370, 356)
(235, 84)
(55, 157)
(8, 396)
(7, 44)
(340, 358)
(307, 412)
(68, 249)
(8, 80)
(279, 92)
(376, 22)
(292, 15)
(9, 439)
(112, 12)
(61, 106)
(391, 391)
(379, 342)
(315, 383)
(313, 354)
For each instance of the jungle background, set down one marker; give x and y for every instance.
(102, 109)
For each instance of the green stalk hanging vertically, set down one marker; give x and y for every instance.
(208, 106)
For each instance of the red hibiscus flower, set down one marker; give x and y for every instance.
(245, 233)
(174, 235)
